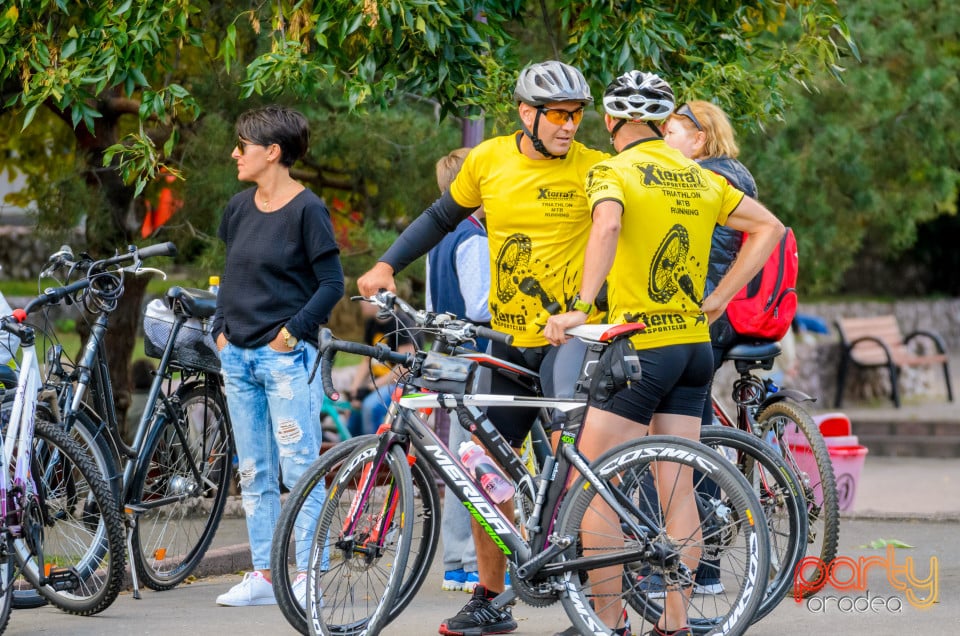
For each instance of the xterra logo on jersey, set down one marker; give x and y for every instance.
(654, 176)
(658, 322)
(556, 195)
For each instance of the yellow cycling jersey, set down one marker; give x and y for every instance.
(538, 223)
(670, 207)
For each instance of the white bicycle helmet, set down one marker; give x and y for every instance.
(639, 96)
(552, 81)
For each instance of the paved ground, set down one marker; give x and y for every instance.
(912, 500)
(191, 609)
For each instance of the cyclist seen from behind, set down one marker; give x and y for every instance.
(654, 212)
(531, 185)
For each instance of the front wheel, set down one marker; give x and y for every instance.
(361, 545)
(79, 549)
(295, 528)
(798, 440)
(181, 486)
(654, 551)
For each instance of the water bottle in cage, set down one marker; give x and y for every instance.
(498, 487)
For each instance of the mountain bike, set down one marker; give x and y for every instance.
(774, 415)
(60, 519)
(363, 524)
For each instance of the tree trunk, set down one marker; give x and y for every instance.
(108, 230)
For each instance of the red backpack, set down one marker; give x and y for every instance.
(766, 306)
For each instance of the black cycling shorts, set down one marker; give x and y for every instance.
(674, 379)
(559, 368)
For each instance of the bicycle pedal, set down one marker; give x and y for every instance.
(61, 580)
(133, 509)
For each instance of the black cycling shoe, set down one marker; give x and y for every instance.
(479, 617)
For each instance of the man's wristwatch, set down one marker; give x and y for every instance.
(581, 305)
(288, 338)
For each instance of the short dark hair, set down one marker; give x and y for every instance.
(276, 125)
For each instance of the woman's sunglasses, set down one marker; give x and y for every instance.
(686, 112)
(242, 145)
(559, 117)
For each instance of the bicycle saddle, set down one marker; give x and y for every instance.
(605, 332)
(757, 355)
(193, 303)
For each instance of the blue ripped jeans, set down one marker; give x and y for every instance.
(276, 427)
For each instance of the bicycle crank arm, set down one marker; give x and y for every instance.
(531, 567)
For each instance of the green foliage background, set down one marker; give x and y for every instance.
(859, 167)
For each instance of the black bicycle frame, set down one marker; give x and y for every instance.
(530, 557)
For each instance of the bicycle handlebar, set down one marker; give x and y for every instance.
(329, 347)
(454, 329)
(65, 256)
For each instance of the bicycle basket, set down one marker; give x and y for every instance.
(194, 348)
(446, 374)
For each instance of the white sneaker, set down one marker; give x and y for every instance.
(254, 589)
(299, 588)
(708, 589)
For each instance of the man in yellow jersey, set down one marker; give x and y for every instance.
(531, 184)
(653, 216)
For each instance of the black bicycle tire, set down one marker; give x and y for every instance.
(90, 436)
(280, 546)
(114, 531)
(428, 509)
(789, 495)
(24, 596)
(398, 478)
(174, 573)
(638, 454)
(829, 512)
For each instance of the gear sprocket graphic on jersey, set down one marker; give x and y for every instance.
(512, 262)
(668, 272)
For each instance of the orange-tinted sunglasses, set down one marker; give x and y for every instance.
(559, 117)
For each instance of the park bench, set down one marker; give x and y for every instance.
(877, 341)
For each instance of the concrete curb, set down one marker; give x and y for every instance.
(226, 560)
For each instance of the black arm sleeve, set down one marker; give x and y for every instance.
(426, 231)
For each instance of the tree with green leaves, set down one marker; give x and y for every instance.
(858, 167)
(123, 76)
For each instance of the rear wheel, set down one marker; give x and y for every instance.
(181, 486)
(781, 498)
(6, 582)
(798, 440)
(649, 477)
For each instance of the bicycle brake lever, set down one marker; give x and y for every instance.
(148, 270)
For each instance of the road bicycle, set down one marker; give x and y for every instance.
(362, 528)
(774, 415)
(60, 520)
(291, 539)
(773, 481)
(173, 479)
